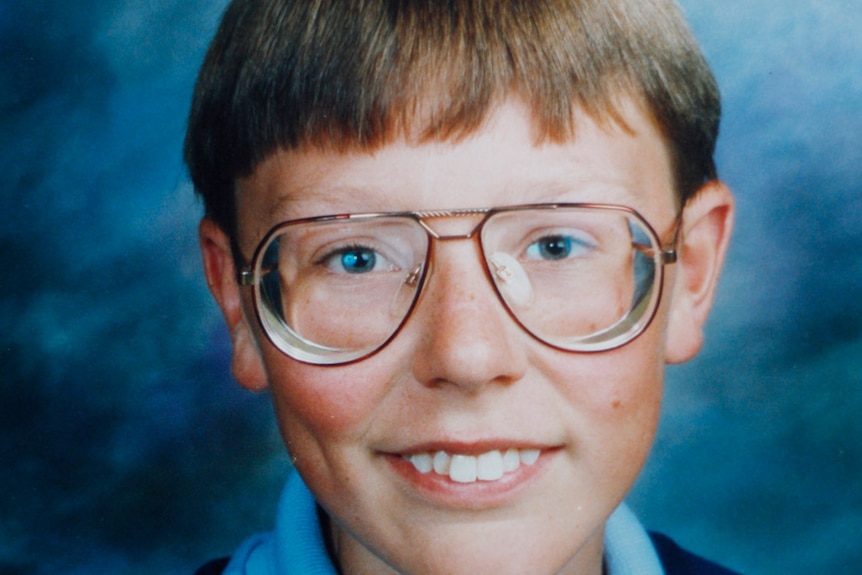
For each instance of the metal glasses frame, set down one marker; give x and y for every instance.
(249, 273)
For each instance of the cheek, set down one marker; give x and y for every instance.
(618, 382)
(633, 399)
(616, 400)
(326, 406)
(635, 385)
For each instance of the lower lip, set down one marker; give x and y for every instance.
(477, 495)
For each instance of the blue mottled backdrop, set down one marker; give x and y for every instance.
(125, 446)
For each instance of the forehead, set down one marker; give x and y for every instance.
(500, 164)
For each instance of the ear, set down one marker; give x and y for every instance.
(707, 224)
(247, 363)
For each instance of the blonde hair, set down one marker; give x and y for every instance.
(347, 74)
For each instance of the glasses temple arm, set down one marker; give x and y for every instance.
(244, 272)
(671, 255)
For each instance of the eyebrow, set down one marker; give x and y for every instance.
(583, 190)
(331, 200)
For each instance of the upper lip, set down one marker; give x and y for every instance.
(471, 447)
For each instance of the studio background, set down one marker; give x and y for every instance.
(125, 447)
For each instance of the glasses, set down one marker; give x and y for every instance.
(578, 277)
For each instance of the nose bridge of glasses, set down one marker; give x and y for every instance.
(449, 225)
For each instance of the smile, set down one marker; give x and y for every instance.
(488, 466)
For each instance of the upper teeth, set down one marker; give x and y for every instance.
(487, 466)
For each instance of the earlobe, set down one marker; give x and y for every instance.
(220, 271)
(707, 225)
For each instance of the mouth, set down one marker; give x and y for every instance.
(489, 466)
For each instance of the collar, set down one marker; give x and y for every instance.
(628, 548)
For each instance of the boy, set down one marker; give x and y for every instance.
(458, 242)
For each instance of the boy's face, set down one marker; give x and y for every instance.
(461, 376)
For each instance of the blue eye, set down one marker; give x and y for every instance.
(357, 260)
(358, 257)
(556, 247)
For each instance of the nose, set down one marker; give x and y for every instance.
(467, 339)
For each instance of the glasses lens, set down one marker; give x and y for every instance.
(581, 279)
(332, 291)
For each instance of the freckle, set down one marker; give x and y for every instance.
(616, 404)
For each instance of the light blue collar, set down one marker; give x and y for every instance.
(628, 548)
